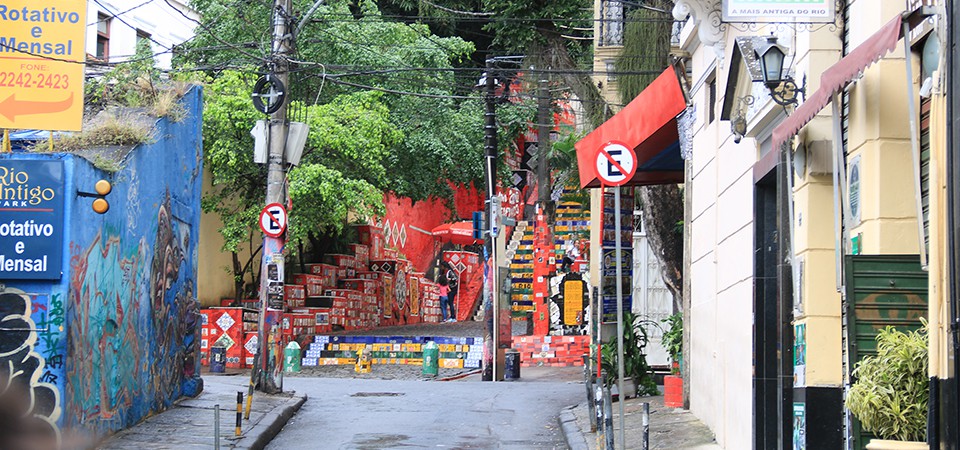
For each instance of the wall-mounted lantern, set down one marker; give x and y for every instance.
(783, 89)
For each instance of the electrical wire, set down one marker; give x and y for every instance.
(150, 38)
(108, 17)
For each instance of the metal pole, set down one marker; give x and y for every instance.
(608, 419)
(216, 427)
(645, 444)
(277, 137)
(620, 326)
(490, 153)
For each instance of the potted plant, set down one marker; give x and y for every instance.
(637, 375)
(673, 342)
(889, 394)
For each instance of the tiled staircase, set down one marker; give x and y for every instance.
(455, 352)
(520, 253)
(572, 224)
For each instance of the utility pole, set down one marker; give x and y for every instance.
(490, 153)
(271, 267)
(544, 143)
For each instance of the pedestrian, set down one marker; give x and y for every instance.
(445, 299)
(454, 282)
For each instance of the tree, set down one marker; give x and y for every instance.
(356, 133)
(387, 112)
(647, 49)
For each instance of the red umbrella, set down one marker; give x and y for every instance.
(460, 233)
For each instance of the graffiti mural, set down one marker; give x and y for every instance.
(134, 325)
(31, 365)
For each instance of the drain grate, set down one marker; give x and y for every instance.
(377, 394)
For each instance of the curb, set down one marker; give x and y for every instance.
(571, 431)
(261, 434)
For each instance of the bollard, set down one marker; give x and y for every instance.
(588, 383)
(598, 407)
(431, 354)
(646, 427)
(608, 419)
(291, 357)
(216, 427)
(239, 412)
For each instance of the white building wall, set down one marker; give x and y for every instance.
(158, 17)
(722, 266)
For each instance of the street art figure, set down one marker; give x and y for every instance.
(134, 327)
(29, 404)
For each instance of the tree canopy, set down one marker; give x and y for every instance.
(388, 106)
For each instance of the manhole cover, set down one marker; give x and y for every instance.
(377, 394)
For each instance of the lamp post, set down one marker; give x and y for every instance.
(783, 89)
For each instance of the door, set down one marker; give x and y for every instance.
(881, 291)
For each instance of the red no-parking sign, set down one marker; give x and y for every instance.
(615, 163)
(273, 220)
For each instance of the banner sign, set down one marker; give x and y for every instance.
(41, 64)
(779, 11)
(31, 219)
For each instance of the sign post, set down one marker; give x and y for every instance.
(616, 163)
(41, 64)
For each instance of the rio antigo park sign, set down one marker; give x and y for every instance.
(31, 219)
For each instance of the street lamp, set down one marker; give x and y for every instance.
(783, 89)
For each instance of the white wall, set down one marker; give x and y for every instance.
(721, 272)
(157, 17)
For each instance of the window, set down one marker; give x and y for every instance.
(142, 36)
(611, 70)
(711, 100)
(103, 36)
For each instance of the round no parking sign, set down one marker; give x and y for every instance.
(273, 220)
(615, 163)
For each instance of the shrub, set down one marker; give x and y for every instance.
(890, 392)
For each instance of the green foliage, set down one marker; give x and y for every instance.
(132, 84)
(635, 365)
(341, 170)
(673, 337)
(427, 140)
(646, 47)
(890, 391)
(323, 198)
(520, 24)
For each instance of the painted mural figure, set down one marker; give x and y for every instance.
(29, 401)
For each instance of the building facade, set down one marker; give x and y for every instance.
(114, 28)
(812, 224)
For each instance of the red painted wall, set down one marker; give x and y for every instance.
(407, 225)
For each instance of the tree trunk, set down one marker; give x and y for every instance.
(662, 208)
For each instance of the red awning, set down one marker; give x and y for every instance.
(649, 125)
(835, 78)
(457, 233)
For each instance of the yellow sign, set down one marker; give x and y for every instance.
(41, 64)
(572, 302)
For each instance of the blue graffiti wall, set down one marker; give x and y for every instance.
(116, 335)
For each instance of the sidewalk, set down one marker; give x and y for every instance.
(670, 428)
(190, 423)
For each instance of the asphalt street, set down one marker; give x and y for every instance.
(465, 414)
